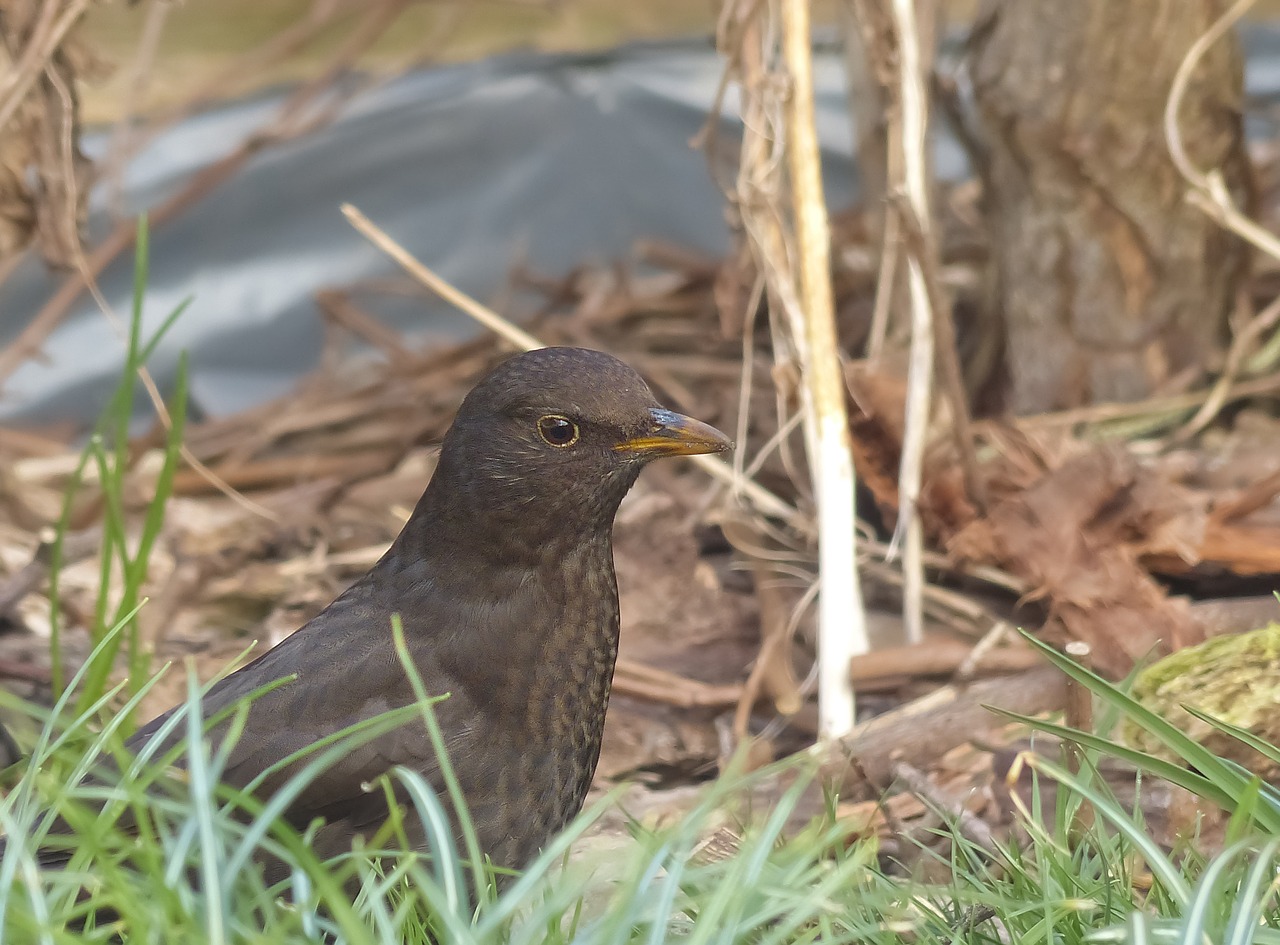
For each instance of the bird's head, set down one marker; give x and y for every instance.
(552, 439)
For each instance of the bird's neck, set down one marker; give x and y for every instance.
(506, 522)
(561, 675)
(552, 561)
(529, 631)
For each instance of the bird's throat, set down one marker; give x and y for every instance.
(569, 681)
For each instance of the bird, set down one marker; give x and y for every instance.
(503, 580)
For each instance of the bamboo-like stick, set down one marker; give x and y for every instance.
(841, 621)
(914, 104)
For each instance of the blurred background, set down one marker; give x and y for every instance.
(497, 140)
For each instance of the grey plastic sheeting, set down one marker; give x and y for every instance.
(544, 160)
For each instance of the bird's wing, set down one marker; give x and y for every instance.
(344, 671)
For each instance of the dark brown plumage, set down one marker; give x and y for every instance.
(503, 577)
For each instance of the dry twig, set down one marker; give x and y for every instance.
(1209, 190)
(913, 100)
(841, 620)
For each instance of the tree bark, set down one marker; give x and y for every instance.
(1106, 282)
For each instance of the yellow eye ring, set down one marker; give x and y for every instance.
(558, 431)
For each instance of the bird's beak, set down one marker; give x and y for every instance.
(674, 434)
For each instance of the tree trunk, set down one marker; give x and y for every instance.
(1107, 283)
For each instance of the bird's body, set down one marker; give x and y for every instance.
(503, 578)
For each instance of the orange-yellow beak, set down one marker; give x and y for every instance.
(674, 434)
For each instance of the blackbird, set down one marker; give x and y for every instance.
(503, 577)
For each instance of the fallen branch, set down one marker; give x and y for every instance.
(641, 681)
(937, 656)
(925, 729)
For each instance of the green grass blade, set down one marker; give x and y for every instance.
(1221, 781)
(450, 777)
(1168, 734)
(1164, 871)
(1170, 771)
(1243, 735)
(201, 795)
(1252, 897)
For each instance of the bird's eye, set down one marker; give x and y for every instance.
(558, 431)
